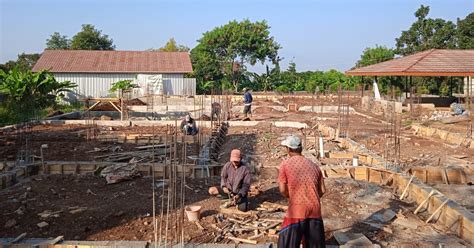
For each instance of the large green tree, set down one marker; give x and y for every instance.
(375, 55)
(223, 52)
(171, 46)
(58, 41)
(291, 78)
(89, 38)
(24, 62)
(465, 32)
(267, 80)
(426, 33)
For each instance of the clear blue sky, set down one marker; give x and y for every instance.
(317, 35)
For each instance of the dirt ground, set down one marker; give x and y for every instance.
(414, 150)
(69, 143)
(86, 208)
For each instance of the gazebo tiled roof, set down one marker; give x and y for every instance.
(434, 62)
(90, 61)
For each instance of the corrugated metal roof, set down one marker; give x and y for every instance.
(91, 61)
(434, 62)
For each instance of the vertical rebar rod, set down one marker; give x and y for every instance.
(155, 224)
(168, 198)
(163, 192)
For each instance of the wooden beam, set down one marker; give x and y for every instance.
(436, 211)
(95, 104)
(424, 202)
(117, 108)
(445, 176)
(408, 184)
(20, 237)
(390, 178)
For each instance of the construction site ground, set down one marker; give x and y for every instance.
(85, 207)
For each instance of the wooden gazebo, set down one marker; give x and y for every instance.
(434, 62)
(429, 63)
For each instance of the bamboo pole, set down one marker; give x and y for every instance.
(406, 188)
(424, 202)
(436, 211)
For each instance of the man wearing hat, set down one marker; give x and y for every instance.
(301, 181)
(235, 181)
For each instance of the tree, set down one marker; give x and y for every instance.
(291, 78)
(426, 33)
(171, 46)
(266, 80)
(58, 41)
(236, 43)
(24, 62)
(465, 32)
(122, 86)
(372, 56)
(27, 92)
(375, 55)
(90, 38)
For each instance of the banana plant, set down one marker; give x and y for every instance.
(27, 89)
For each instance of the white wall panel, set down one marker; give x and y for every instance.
(98, 84)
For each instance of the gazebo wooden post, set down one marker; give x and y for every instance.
(406, 87)
(411, 85)
(450, 86)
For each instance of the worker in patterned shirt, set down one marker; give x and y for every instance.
(302, 182)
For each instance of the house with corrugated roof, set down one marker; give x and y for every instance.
(95, 71)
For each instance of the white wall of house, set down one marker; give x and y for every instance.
(98, 84)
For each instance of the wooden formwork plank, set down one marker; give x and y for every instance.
(451, 212)
(441, 175)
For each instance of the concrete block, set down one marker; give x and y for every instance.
(97, 244)
(324, 109)
(209, 245)
(243, 123)
(255, 246)
(292, 107)
(240, 109)
(292, 124)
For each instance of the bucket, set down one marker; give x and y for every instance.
(193, 212)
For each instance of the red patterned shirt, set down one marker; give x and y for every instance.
(303, 178)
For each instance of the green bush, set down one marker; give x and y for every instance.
(283, 89)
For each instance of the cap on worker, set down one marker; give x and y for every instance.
(235, 155)
(188, 117)
(292, 141)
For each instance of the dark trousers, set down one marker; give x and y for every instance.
(310, 231)
(247, 110)
(242, 203)
(215, 112)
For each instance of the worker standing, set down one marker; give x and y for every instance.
(302, 182)
(235, 181)
(248, 99)
(215, 111)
